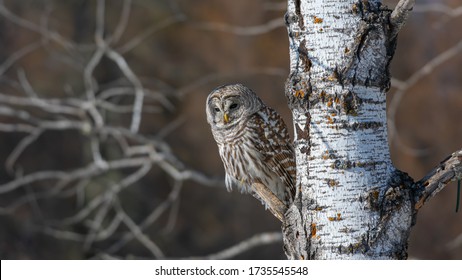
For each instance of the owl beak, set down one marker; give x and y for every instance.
(226, 118)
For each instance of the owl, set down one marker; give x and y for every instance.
(253, 142)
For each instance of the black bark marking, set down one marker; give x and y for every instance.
(358, 126)
(348, 164)
(303, 55)
(350, 103)
(298, 90)
(302, 134)
(301, 22)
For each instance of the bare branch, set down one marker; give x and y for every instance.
(447, 171)
(456, 243)
(62, 234)
(206, 79)
(447, 11)
(100, 12)
(139, 90)
(18, 55)
(107, 195)
(150, 219)
(439, 8)
(39, 176)
(183, 175)
(404, 86)
(243, 246)
(242, 30)
(90, 84)
(135, 41)
(277, 207)
(66, 177)
(96, 153)
(19, 149)
(97, 222)
(17, 128)
(47, 105)
(46, 34)
(400, 15)
(123, 21)
(138, 233)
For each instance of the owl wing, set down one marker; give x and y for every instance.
(276, 146)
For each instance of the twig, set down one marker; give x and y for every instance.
(96, 223)
(107, 195)
(33, 177)
(63, 234)
(34, 27)
(412, 80)
(123, 21)
(12, 58)
(138, 233)
(48, 105)
(100, 13)
(139, 90)
(19, 149)
(440, 8)
(150, 219)
(90, 85)
(242, 30)
(207, 79)
(135, 41)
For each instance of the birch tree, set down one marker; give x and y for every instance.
(89, 105)
(352, 203)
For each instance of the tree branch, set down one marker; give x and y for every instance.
(448, 170)
(243, 30)
(277, 207)
(256, 240)
(400, 15)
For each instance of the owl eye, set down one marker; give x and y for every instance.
(216, 109)
(233, 106)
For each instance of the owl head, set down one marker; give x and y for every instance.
(230, 104)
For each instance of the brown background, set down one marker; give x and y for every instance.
(186, 60)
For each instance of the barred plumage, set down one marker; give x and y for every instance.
(253, 142)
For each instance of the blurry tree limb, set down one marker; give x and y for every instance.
(150, 219)
(243, 246)
(404, 86)
(439, 8)
(242, 30)
(18, 55)
(455, 243)
(137, 40)
(138, 233)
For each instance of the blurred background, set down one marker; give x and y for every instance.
(104, 145)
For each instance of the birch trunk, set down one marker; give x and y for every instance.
(352, 203)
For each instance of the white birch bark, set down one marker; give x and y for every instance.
(351, 203)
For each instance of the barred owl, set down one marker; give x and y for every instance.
(253, 142)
